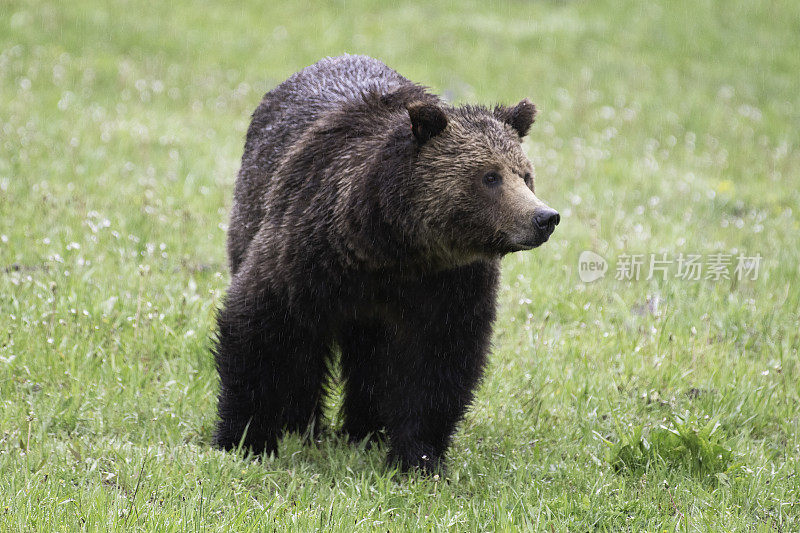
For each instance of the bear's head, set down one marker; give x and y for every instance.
(472, 187)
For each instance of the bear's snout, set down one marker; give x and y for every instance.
(546, 221)
(536, 228)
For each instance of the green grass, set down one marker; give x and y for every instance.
(664, 127)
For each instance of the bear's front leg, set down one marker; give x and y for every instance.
(364, 348)
(270, 370)
(436, 361)
(431, 386)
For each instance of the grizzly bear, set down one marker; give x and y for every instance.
(368, 223)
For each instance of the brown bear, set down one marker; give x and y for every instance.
(369, 219)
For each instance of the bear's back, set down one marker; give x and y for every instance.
(280, 120)
(326, 85)
(336, 80)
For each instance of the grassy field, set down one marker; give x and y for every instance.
(644, 404)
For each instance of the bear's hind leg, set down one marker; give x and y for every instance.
(270, 370)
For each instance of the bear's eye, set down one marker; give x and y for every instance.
(492, 179)
(527, 178)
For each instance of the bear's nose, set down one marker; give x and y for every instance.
(547, 220)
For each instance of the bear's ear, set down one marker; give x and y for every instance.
(427, 120)
(520, 117)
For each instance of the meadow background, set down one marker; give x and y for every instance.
(659, 405)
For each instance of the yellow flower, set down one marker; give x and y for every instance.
(725, 186)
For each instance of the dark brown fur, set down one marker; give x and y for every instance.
(364, 220)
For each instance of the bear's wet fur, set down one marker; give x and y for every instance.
(369, 219)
